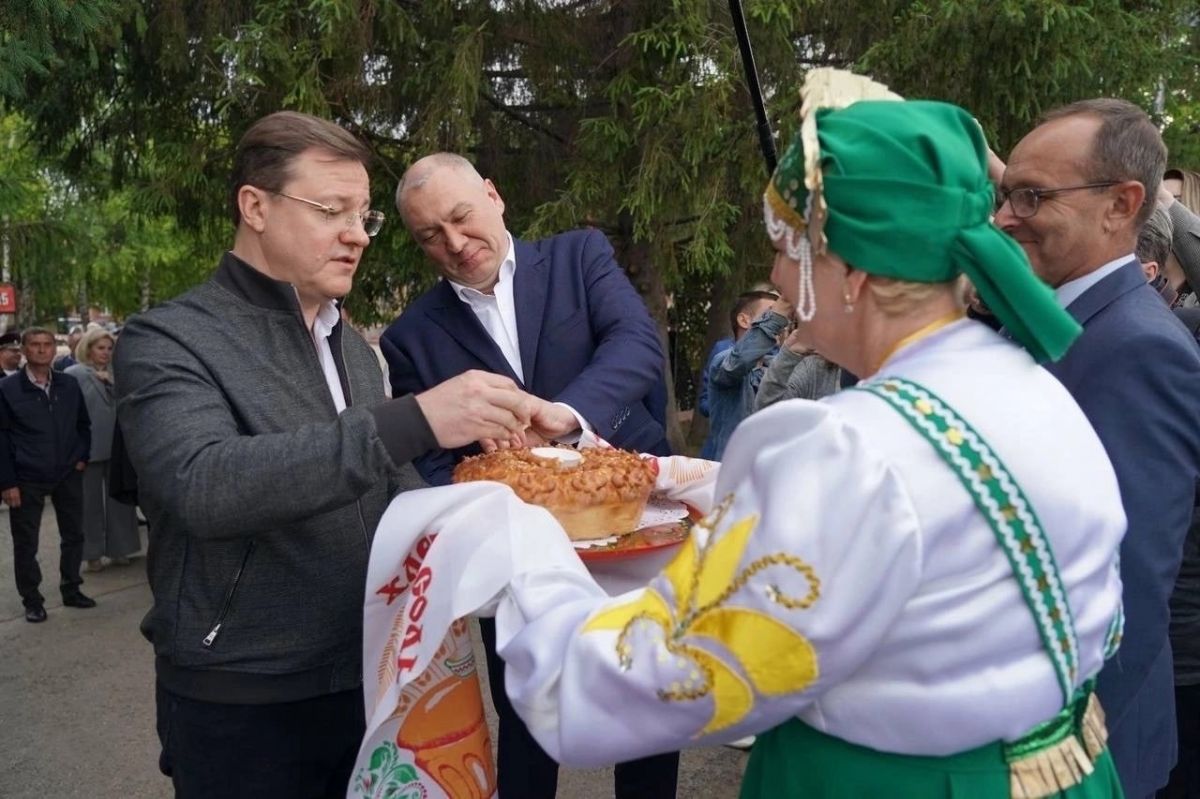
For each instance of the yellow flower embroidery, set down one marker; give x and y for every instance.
(774, 659)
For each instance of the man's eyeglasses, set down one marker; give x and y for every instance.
(1024, 202)
(372, 221)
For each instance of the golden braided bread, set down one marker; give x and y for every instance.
(603, 494)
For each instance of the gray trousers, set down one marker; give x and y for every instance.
(109, 527)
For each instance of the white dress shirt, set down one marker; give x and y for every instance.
(496, 311)
(327, 319)
(498, 315)
(1072, 290)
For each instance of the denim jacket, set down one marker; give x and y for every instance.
(733, 378)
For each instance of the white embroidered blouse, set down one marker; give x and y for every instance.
(847, 579)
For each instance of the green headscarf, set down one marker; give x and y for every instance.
(903, 193)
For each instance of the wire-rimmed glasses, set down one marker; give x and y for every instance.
(1024, 202)
(372, 221)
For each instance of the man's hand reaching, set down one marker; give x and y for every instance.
(473, 407)
(527, 439)
(549, 421)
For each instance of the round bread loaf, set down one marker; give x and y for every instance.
(594, 493)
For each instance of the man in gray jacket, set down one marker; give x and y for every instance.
(266, 453)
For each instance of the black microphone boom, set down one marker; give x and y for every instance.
(765, 139)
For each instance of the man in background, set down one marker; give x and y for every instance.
(10, 352)
(757, 320)
(558, 317)
(1153, 249)
(45, 436)
(1075, 193)
(720, 345)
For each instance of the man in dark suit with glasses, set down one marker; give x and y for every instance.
(1074, 195)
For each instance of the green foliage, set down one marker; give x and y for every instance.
(1010, 60)
(38, 225)
(30, 30)
(69, 249)
(1183, 137)
(1180, 99)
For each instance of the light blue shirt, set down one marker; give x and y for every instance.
(1072, 290)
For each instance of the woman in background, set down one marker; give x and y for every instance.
(109, 527)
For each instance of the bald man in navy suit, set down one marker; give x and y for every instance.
(560, 318)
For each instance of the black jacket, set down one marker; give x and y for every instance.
(41, 437)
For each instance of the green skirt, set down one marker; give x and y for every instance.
(795, 760)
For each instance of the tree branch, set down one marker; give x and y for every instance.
(529, 123)
(573, 6)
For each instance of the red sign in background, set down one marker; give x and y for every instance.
(8, 298)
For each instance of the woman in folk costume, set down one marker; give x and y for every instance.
(907, 588)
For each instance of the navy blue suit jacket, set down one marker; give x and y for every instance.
(1135, 372)
(585, 336)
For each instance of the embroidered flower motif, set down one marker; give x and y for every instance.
(728, 652)
(388, 776)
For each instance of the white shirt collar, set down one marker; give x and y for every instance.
(326, 319)
(43, 386)
(497, 311)
(1072, 290)
(507, 268)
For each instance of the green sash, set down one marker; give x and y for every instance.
(1004, 506)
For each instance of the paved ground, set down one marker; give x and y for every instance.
(77, 699)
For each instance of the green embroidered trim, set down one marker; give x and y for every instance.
(1116, 631)
(1003, 504)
